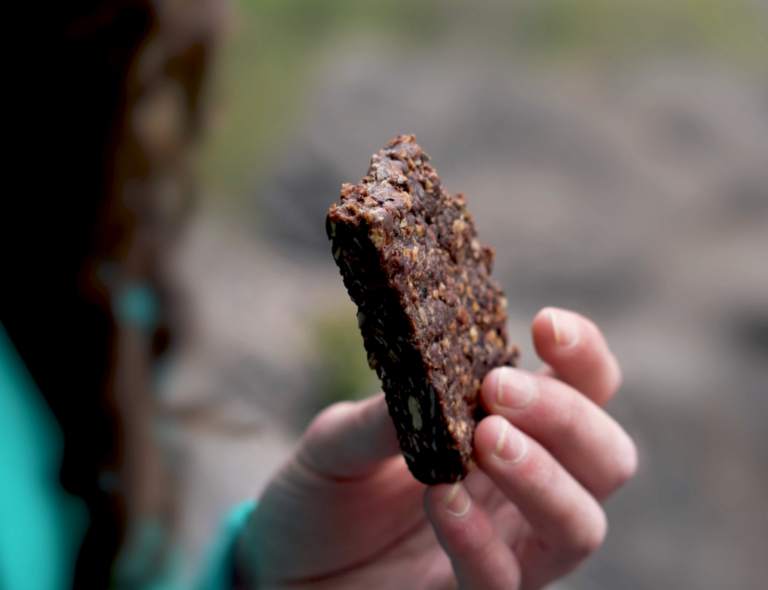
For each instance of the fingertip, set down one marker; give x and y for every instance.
(448, 499)
(375, 411)
(628, 461)
(560, 330)
(508, 389)
(327, 421)
(459, 525)
(489, 390)
(541, 328)
(577, 351)
(497, 440)
(464, 530)
(487, 435)
(348, 439)
(614, 375)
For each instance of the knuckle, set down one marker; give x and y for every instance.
(614, 377)
(627, 464)
(590, 537)
(607, 377)
(543, 473)
(570, 417)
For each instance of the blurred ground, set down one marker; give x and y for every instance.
(636, 194)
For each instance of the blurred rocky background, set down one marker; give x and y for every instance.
(615, 154)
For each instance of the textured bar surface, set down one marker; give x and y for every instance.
(433, 320)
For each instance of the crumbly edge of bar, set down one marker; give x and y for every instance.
(391, 342)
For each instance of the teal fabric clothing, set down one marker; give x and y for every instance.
(41, 526)
(220, 563)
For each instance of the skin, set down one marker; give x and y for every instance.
(345, 512)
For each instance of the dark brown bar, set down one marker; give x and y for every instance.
(433, 320)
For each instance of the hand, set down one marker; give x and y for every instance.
(345, 511)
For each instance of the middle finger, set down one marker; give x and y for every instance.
(581, 436)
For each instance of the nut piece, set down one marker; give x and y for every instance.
(377, 237)
(413, 406)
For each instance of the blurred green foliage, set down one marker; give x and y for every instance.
(624, 29)
(266, 64)
(343, 372)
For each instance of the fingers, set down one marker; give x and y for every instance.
(479, 557)
(349, 439)
(576, 350)
(567, 522)
(582, 437)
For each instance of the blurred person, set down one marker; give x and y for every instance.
(87, 314)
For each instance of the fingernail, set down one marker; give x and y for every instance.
(514, 389)
(457, 501)
(511, 445)
(565, 329)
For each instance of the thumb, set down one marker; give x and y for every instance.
(349, 439)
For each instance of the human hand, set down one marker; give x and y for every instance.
(345, 511)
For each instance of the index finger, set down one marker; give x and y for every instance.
(577, 352)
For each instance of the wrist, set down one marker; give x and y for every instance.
(221, 571)
(243, 573)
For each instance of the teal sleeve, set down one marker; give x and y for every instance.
(220, 563)
(41, 526)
